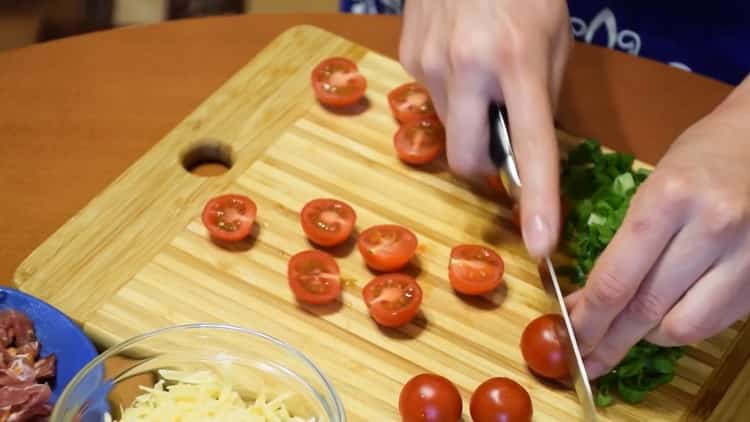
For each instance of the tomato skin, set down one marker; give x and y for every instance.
(392, 299)
(500, 399)
(430, 130)
(429, 398)
(240, 209)
(330, 233)
(405, 111)
(475, 281)
(314, 289)
(336, 95)
(387, 247)
(541, 348)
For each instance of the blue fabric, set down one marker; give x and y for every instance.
(710, 38)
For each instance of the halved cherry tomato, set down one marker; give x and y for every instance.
(314, 277)
(500, 399)
(419, 141)
(393, 299)
(327, 222)
(541, 348)
(429, 398)
(475, 269)
(337, 82)
(229, 217)
(387, 247)
(411, 101)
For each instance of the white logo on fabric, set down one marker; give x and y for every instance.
(626, 40)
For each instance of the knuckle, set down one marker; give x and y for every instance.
(407, 59)
(469, 53)
(647, 307)
(607, 290)
(463, 53)
(432, 62)
(724, 214)
(512, 45)
(675, 192)
(687, 331)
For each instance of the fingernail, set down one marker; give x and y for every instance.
(537, 236)
(595, 368)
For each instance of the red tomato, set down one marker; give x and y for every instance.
(393, 299)
(475, 269)
(387, 247)
(338, 83)
(327, 222)
(429, 398)
(500, 399)
(411, 101)
(419, 141)
(229, 217)
(540, 346)
(314, 277)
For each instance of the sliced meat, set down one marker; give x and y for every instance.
(14, 395)
(37, 405)
(15, 328)
(19, 372)
(45, 367)
(30, 350)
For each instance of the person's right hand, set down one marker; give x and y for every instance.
(470, 52)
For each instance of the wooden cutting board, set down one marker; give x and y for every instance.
(137, 257)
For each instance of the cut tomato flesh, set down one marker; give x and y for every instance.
(382, 242)
(314, 277)
(474, 269)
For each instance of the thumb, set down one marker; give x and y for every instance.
(528, 102)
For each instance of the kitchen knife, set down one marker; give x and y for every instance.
(501, 151)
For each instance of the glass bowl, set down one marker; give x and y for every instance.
(251, 362)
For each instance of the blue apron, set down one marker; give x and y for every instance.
(709, 38)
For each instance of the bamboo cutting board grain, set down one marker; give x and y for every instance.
(137, 257)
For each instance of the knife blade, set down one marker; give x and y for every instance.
(501, 152)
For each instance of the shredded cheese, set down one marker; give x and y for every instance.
(202, 397)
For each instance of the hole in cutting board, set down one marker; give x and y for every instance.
(207, 158)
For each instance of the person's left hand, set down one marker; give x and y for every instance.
(678, 269)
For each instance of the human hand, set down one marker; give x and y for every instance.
(472, 52)
(678, 269)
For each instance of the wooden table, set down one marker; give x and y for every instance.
(75, 113)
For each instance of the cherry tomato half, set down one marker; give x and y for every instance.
(392, 299)
(327, 222)
(314, 277)
(500, 399)
(429, 398)
(337, 82)
(541, 348)
(475, 269)
(229, 217)
(411, 101)
(387, 247)
(419, 141)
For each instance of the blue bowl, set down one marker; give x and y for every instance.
(57, 334)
